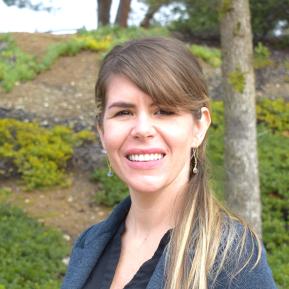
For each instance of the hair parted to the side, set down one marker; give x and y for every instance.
(205, 232)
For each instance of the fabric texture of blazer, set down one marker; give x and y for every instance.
(91, 243)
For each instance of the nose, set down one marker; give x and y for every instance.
(143, 127)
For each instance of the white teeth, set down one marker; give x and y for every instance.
(145, 157)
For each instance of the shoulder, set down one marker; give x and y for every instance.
(245, 265)
(88, 234)
(108, 226)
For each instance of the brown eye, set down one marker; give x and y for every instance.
(123, 113)
(164, 112)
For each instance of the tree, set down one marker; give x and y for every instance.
(153, 7)
(122, 13)
(201, 18)
(27, 4)
(241, 163)
(103, 12)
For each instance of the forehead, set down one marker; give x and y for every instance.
(120, 88)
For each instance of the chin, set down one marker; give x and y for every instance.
(144, 185)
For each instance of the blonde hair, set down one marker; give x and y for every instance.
(205, 232)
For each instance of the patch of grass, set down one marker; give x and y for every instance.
(31, 255)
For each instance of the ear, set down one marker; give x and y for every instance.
(100, 133)
(201, 126)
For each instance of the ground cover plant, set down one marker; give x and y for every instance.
(31, 255)
(17, 66)
(39, 155)
(273, 143)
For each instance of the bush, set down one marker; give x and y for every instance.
(211, 56)
(31, 255)
(261, 56)
(274, 114)
(39, 155)
(15, 65)
(111, 189)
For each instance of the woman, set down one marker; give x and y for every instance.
(170, 233)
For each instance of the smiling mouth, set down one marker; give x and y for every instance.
(145, 157)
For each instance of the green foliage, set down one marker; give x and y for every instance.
(211, 56)
(31, 255)
(111, 189)
(274, 166)
(201, 18)
(4, 194)
(261, 56)
(40, 154)
(15, 65)
(274, 114)
(237, 80)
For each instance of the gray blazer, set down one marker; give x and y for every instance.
(89, 246)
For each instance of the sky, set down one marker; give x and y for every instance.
(68, 16)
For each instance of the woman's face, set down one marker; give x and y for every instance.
(148, 148)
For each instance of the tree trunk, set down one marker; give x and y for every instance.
(103, 12)
(149, 15)
(122, 13)
(242, 191)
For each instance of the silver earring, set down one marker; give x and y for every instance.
(109, 172)
(195, 160)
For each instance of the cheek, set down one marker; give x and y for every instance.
(113, 136)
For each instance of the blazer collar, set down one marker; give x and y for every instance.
(91, 244)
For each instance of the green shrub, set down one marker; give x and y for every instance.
(274, 114)
(39, 154)
(31, 255)
(15, 65)
(261, 56)
(211, 56)
(111, 189)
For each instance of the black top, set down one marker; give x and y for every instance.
(103, 272)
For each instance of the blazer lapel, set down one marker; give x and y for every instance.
(82, 262)
(157, 279)
(86, 252)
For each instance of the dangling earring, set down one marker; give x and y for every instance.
(195, 160)
(109, 172)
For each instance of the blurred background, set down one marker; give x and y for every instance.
(53, 175)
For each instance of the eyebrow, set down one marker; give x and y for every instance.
(122, 104)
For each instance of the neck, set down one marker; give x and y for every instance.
(154, 212)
